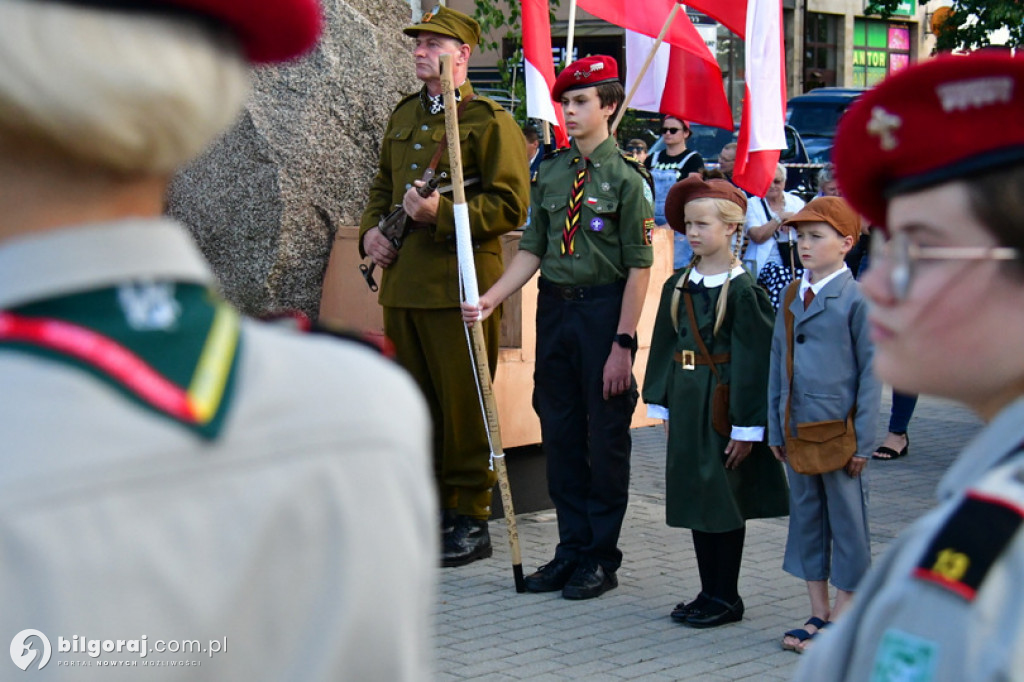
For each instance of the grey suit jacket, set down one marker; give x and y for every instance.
(832, 364)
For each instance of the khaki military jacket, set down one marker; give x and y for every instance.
(493, 159)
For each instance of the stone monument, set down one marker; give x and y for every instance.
(266, 200)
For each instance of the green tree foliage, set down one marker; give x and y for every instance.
(972, 23)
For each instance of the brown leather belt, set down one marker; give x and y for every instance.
(689, 359)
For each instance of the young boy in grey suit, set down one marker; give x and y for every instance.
(831, 380)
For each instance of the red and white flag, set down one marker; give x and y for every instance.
(540, 68)
(686, 83)
(762, 128)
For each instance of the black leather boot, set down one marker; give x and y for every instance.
(469, 540)
(448, 517)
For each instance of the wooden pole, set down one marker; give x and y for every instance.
(571, 34)
(643, 69)
(464, 247)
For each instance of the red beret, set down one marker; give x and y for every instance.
(269, 30)
(584, 73)
(696, 187)
(943, 119)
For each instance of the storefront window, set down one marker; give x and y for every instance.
(880, 48)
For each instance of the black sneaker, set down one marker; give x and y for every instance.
(469, 541)
(552, 576)
(589, 580)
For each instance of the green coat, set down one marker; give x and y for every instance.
(700, 493)
(426, 272)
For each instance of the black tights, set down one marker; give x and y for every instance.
(718, 560)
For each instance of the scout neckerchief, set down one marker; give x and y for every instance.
(170, 347)
(572, 214)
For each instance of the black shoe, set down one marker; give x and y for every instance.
(686, 609)
(589, 580)
(448, 517)
(716, 612)
(469, 541)
(552, 576)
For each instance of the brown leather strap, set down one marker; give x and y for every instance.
(706, 358)
(787, 300)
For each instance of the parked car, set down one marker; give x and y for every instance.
(708, 141)
(816, 113)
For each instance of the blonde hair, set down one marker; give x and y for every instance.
(729, 213)
(131, 92)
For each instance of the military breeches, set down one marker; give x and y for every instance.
(431, 344)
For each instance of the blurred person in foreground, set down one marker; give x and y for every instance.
(945, 601)
(169, 470)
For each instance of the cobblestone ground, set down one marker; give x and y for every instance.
(486, 631)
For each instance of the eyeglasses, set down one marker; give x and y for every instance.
(902, 257)
(666, 131)
(635, 149)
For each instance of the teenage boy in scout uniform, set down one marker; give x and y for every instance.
(420, 287)
(168, 468)
(589, 237)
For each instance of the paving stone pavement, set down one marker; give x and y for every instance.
(486, 631)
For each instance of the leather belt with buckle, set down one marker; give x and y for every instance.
(689, 359)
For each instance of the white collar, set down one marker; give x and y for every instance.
(818, 286)
(712, 281)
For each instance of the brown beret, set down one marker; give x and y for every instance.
(832, 210)
(696, 187)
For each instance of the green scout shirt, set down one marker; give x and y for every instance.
(426, 272)
(616, 216)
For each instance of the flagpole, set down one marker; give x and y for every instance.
(478, 347)
(570, 36)
(643, 69)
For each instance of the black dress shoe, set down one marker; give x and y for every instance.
(448, 517)
(685, 609)
(552, 576)
(469, 541)
(589, 580)
(716, 612)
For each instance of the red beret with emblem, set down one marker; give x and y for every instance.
(268, 30)
(947, 118)
(584, 73)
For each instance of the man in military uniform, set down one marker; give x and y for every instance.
(590, 238)
(168, 468)
(420, 287)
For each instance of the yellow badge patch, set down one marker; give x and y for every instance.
(648, 228)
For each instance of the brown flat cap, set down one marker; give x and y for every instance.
(696, 187)
(832, 210)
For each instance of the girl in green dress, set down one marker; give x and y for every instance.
(707, 375)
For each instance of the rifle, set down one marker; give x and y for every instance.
(394, 225)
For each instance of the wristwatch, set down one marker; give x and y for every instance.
(626, 341)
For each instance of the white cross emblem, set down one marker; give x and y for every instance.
(883, 125)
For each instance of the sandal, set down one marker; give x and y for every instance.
(889, 452)
(802, 635)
